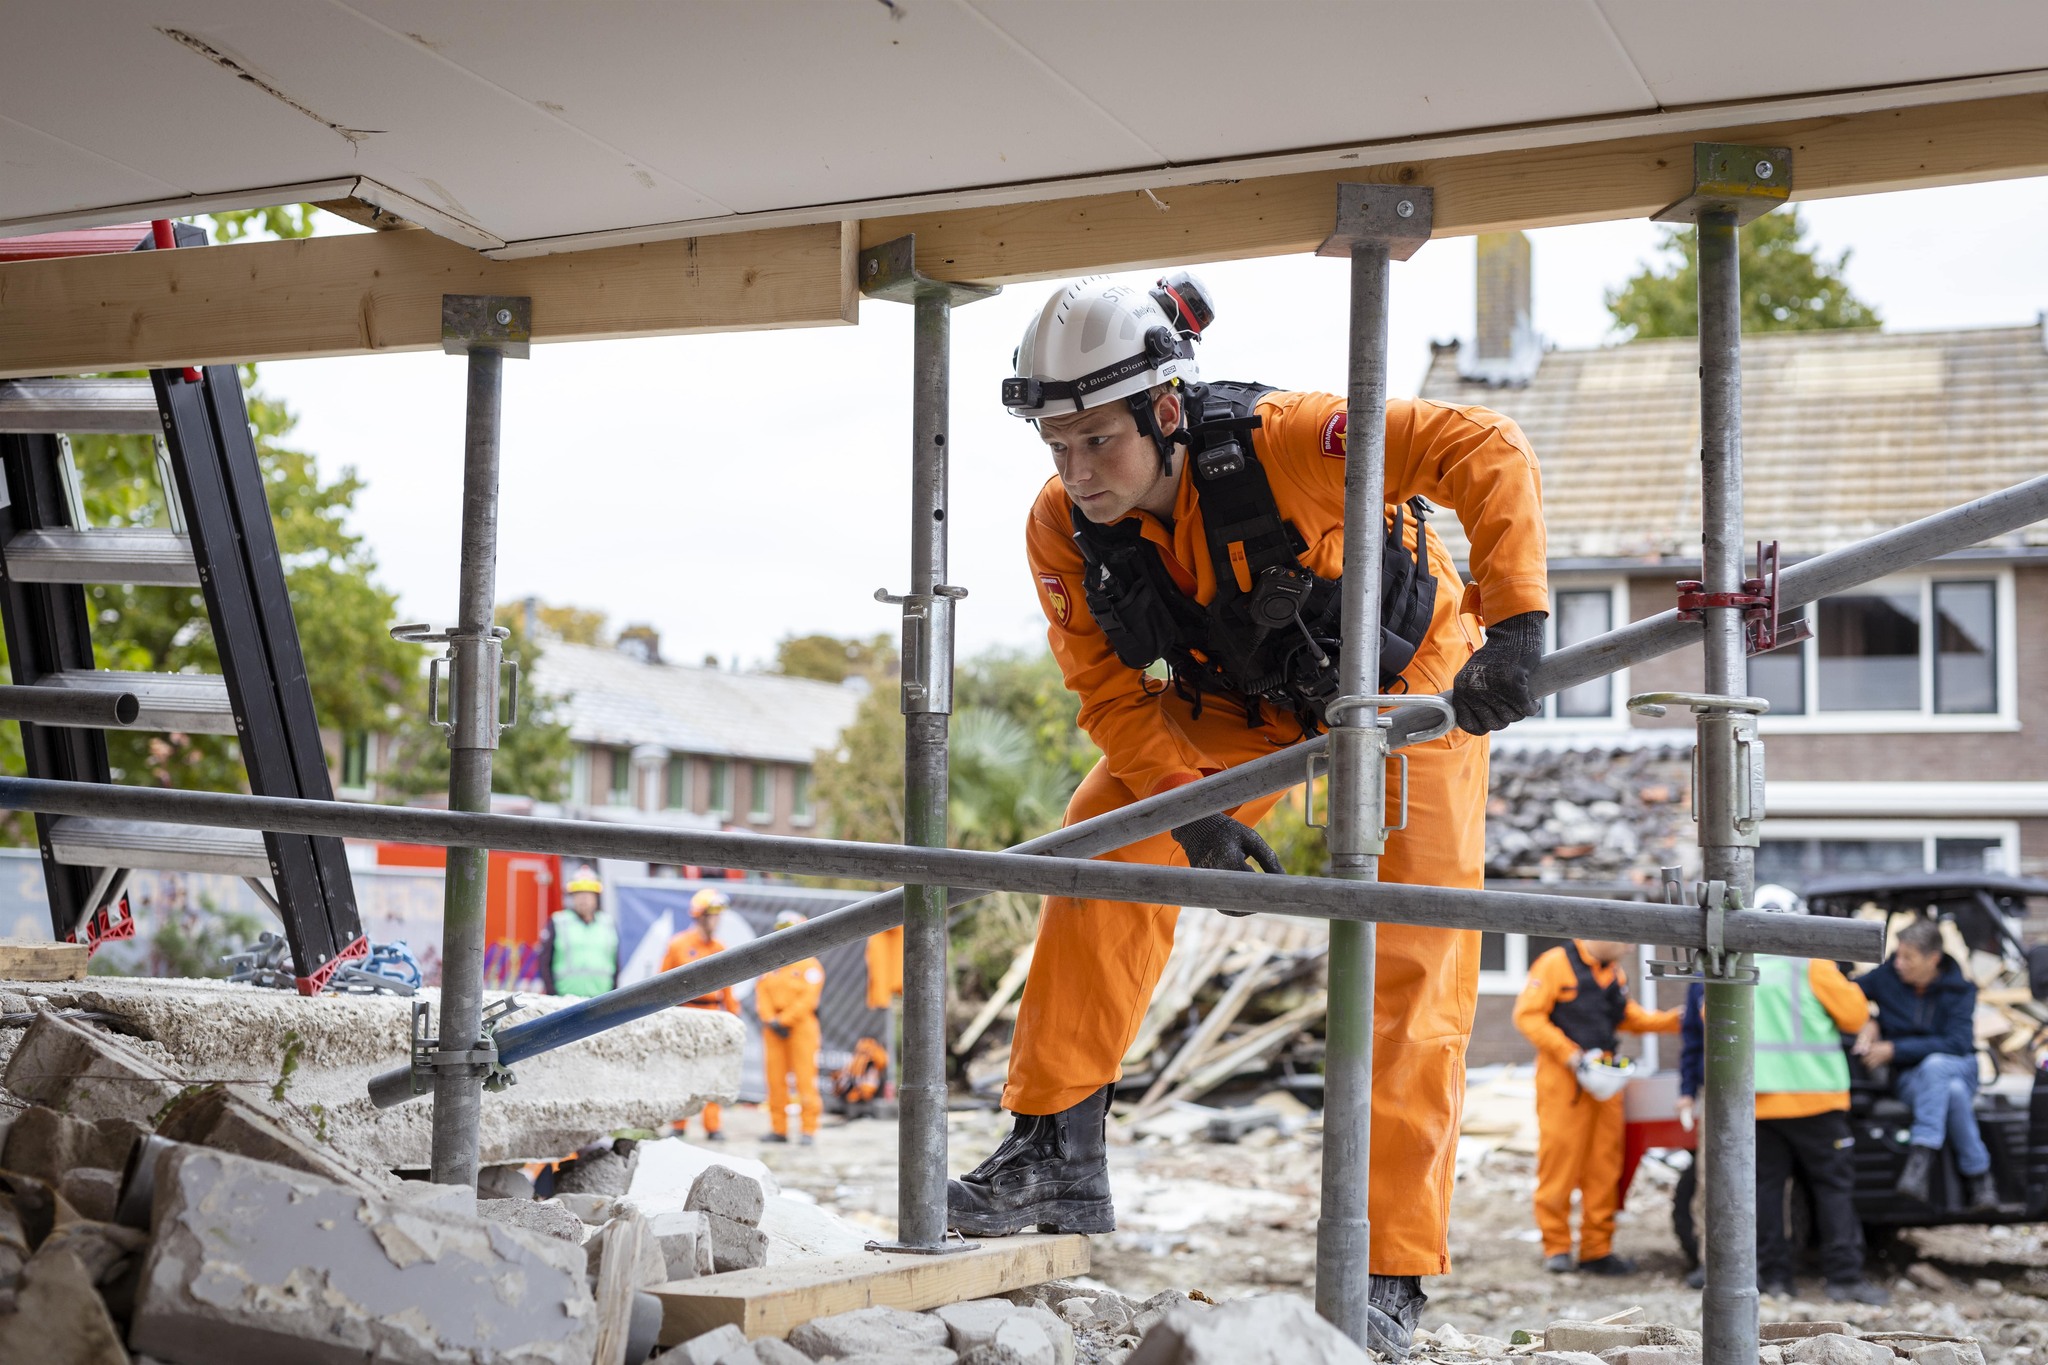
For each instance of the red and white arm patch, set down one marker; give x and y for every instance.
(1334, 441)
(1056, 598)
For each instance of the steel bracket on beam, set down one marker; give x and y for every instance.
(889, 271)
(496, 322)
(429, 1057)
(1728, 177)
(1397, 217)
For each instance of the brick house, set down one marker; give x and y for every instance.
(1911, 733)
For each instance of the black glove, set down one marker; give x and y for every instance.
(1225, 845)
(779, 1030)
(1492, 689)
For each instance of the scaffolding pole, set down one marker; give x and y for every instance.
(890, 272)
(1732, 185)
(485, 329)
(1376, 224)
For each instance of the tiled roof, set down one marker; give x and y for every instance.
(617, 700)
(1844, 433)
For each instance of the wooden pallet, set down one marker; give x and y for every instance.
(772, 1301)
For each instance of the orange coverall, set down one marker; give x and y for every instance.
(788, 996)
(1578, 1138)
(682, 950)
(1097, 962)
(885, 967)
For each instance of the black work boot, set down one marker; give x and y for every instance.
(1914, 1177)
(1983, 1190)
(1394, 1304)
(1051, 1172)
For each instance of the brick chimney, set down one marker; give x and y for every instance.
(1507, 350)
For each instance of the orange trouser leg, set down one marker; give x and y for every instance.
(775, 1055)
(713, 1117)
(803, 1062)
(1097, 962)
(1564, 1126)
(1600, 1178)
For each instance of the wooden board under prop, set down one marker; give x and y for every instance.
(772, 1301)
(26, 960)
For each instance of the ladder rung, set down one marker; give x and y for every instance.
(79, 406)
(81, 841)
(148, 558)
(196, 703)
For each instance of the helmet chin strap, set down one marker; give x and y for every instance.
(1140, 405)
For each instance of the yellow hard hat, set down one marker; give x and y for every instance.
(789, 919)
(590, 884)
(709, 900)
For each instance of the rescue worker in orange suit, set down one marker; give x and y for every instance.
(1574, 1008)
(1180, 516)
(786, 999)
(701, 940)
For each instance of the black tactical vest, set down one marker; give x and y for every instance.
(1592, 1018)
(1278, 642)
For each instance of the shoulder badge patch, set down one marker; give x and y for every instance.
(1056, 597)
(1334, 443)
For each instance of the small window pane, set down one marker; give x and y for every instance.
(1965, 648)
(1795, 862)
(1870, 652)
(622, 778)
(1493, 952)
(1582, 616)
(721, 788)
(1779, 677)
(1969, 855)
(800, 807)
(677, 795)
(761, 802)
(355, 759)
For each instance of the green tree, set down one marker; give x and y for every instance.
(830, 658)
(533, 756)
(1786, 285)
(571, 625)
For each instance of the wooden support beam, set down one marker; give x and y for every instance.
(775, 1299)
(375, 292)
(1865, 153)
(36, 960)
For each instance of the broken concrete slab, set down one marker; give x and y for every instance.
(504, 1182)
(93, 1192)
(218, 1117)
(1592, 1337)
(705, 1349)
(868, 1331)
(544, 1216)
(734, 1245)
(45, 1144)
(769, 1351)
(915, 1355)
(594, 1209)
(1565, 1358)
(1835, 1348)
(684, 1237)
(85, 1074)
(1793, 1331)
(1271, 1329)
(725, 1192)
(640, 1075)
(1652, 1355)
(1947, 1353)
(252, 1262)
(979, 1323)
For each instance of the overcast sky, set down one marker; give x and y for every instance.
(731, 490)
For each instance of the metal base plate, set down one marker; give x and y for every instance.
(953, 1245)
(1731, 178)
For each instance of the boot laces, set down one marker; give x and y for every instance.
(1029, 1132)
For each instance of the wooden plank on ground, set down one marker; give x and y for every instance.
(40, 960)
(368, 293)
(1866, 153)
(771, 1301)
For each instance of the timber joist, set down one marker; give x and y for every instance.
(370, 293)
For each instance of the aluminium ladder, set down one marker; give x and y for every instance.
(221, 541)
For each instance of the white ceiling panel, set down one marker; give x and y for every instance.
(1753, 49)
(1202, 79)
(537, 123)
(790, 101)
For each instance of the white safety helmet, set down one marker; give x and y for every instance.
(1771, 896)
(1604, 1079)
(1097, 341)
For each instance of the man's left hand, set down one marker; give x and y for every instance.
(1491, 692)
(1879, 1053)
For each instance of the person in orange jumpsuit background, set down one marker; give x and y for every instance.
(1119, 545)
(701, 940)
(786, 999)
(1575, 1004)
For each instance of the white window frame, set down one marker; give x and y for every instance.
(1549, 725)
(1926, 720)
(579, 777)
(755, 790)
(803, 811)
(1927, 832)
(678, 766)
(718, 800)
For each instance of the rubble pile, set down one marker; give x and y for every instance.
(1613, 815)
